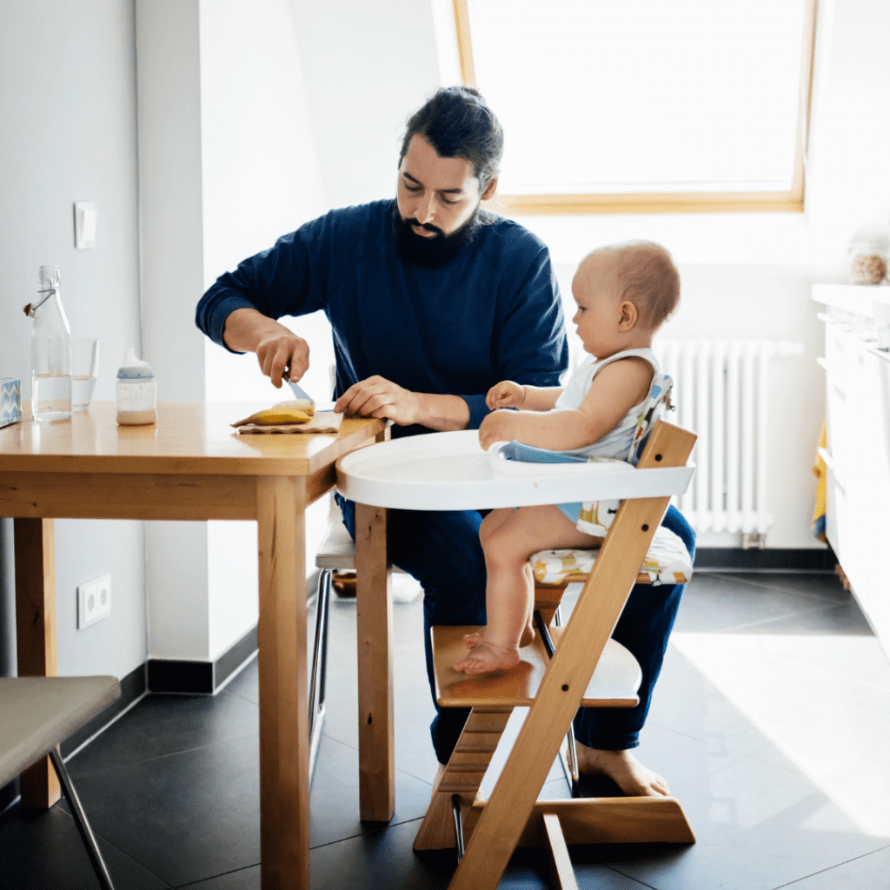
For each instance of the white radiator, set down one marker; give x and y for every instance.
(721, 392)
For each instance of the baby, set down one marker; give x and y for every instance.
(625, 293)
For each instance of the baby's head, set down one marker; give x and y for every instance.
(625, 293)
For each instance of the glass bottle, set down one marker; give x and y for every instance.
(868, 254)
(50, 350)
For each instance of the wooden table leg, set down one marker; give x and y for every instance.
(35, 610)
(284, 738)
(377, 790)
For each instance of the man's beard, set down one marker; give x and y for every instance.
(435, 251)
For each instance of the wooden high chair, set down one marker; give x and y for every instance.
(585, 669)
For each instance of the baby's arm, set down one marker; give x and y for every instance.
(509, 394)
(614, 391)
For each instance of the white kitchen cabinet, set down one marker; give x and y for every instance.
(857, 390)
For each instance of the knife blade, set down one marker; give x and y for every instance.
(298, 391)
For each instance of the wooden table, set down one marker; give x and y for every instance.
(191, 466)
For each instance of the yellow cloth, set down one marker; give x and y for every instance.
(667, 561)
(820, 471)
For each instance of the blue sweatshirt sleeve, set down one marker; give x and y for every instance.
(530, 342)
(287, 279)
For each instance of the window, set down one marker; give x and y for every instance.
(645, 105)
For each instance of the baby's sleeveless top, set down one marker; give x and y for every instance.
(617, 442)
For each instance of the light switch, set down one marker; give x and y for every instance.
(84, 225)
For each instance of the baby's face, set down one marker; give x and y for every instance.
(595, 290)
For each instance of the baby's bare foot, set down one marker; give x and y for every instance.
(527, 638)
(487, 657)
(624, 770)
(476, 639)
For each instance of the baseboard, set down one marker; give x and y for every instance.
(200, 677)
(735, 559)
(234, 657)
(132, 689)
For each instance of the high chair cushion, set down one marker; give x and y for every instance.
(666, 562)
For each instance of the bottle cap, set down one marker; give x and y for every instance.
(134, 369)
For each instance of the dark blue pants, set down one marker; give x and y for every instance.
(442, 551)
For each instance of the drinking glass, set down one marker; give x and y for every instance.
(84, 370)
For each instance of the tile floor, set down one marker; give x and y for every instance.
(770, 721)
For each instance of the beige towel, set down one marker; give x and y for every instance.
(323, 422)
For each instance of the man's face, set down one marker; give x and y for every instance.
(435, 195)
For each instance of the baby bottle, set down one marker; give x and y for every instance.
(137, 392)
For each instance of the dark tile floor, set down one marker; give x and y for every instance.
(770, 721)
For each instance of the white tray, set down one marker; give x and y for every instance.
(450, 471)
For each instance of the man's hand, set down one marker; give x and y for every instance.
(378, 397)
(506, 394)
(500, 426)
(283, 356)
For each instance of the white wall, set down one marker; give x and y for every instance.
(68, 133)
(260, 179)
(170, 207)
(367, 67)
(228, 164)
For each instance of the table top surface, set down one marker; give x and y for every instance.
(189, 437)
(450, 471)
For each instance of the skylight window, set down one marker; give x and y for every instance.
(644, 105)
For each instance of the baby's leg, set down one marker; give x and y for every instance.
(528, 632)
(510, 587)
(493, 521)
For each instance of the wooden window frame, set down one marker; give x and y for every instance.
(790, 201)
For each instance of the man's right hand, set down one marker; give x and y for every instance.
(283, 356)
(281, 353)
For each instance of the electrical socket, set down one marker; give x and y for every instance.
(93, 601)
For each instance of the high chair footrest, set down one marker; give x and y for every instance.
(604, 820)
(614, 683)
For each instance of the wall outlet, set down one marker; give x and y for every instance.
(93, 601)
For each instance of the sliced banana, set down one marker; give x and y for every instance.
(295, 411)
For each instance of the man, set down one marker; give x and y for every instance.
(432, 300)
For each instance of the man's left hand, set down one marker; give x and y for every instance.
(378, 397)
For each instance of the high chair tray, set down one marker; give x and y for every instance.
(450, 471)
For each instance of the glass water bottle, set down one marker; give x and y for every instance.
(50, 351)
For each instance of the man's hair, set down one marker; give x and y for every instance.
(458, 124)
(646, 276)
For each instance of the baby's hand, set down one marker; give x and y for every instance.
(505, 394)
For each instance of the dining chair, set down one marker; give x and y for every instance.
(37, 714)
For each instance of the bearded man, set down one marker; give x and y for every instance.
(432, 300)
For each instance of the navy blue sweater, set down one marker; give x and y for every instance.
(492, 313)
